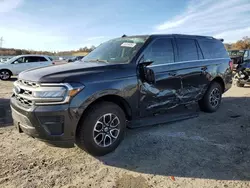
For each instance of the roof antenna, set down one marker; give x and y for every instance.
(124, 35)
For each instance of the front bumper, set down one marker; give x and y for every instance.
(54, 125)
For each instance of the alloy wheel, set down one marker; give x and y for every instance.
(214, 98)
(106, 130)
(4, 75)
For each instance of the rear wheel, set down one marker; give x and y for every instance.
(5, 74)
(101, 129)
(212, 98)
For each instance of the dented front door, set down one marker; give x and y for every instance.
(164, 93)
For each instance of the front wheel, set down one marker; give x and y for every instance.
(212, 98)
(5, 74)
(101, 129)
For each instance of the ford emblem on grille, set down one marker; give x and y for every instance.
(17, 90)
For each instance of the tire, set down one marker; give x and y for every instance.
(238, 84)
(5, 74)
(92, 136)
(208, 102)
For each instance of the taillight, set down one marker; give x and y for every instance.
(231, 65)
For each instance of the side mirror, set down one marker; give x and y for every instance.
(15, 62)
(146, 74)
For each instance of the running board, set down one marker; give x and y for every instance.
(185, 112)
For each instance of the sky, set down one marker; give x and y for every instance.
(56, 25)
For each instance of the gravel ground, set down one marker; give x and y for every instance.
(209, 151)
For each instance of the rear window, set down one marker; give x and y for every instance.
(187, 49)
(213, 49)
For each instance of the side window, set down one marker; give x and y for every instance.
(212, 48)
(20, 60)
(200, 55)
(160, 51)
(42, 59)
(187, 49)
(31, 59)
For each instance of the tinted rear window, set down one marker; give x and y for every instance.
(187, 49)
(213, 49)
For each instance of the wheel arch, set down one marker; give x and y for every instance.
(219, 80)
(7, 70)
(116, 99)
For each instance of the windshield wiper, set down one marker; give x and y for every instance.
(98, 60)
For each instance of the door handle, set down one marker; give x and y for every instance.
(172, 73)
(204, 68)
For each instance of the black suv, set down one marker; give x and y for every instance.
(129, 81)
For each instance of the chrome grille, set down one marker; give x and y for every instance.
(23, 92)
(28, 83)
(23, 101)
(27, 92)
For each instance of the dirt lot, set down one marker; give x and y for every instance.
(209, 151)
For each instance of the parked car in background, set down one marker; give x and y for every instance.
(77, 58)
(20, 63)
(239, 57)
(3, 59)
(130, 81)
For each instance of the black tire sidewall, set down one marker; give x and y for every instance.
(5, 71)
(85, 131)
(205, 103)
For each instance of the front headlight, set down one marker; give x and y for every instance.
(50, 92)
(55, 93)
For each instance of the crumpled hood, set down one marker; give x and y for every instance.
(58, 73)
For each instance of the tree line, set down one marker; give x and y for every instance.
(242, 44)
(13, 52)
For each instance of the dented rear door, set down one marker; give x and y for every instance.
(192, 69)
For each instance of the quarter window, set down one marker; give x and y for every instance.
(212, 49)
(160, 51)
(187, 49)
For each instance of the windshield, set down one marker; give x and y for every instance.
(120, 50)
(11, 59)
(236, 53)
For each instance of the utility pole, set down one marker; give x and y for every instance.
(1, 42)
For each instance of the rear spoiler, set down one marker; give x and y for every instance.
(222, 40)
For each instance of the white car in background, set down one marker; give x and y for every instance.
(20, 63)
